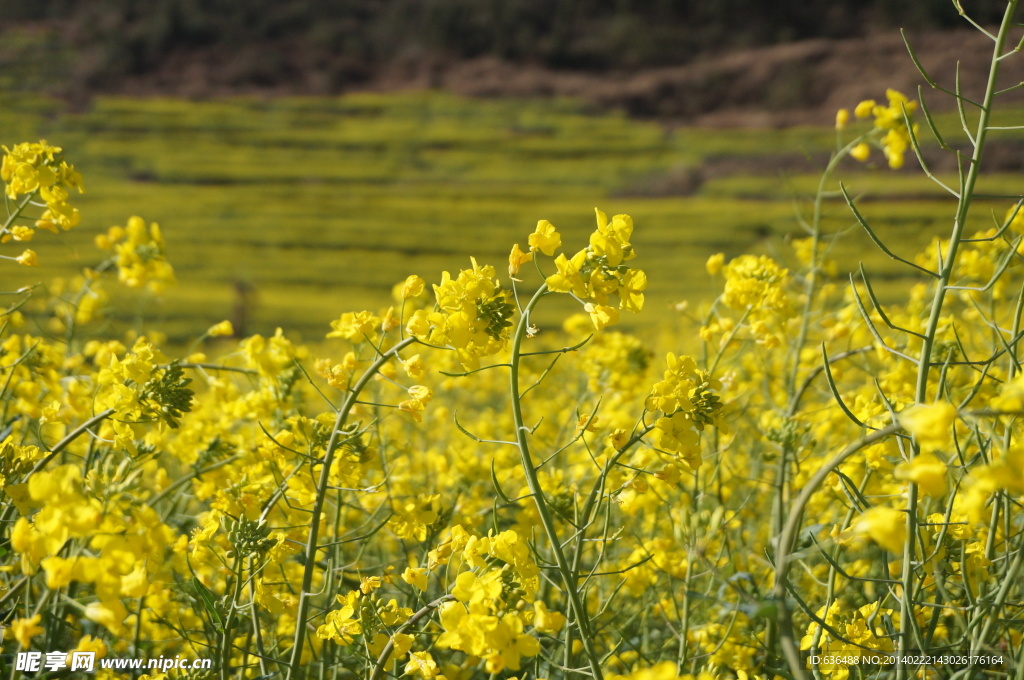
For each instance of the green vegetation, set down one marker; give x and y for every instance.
(323, 204)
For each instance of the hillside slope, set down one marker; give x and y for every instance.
(776, 85)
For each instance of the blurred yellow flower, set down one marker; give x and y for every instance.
(842, 118)
(28, 258)
(546, 621)
(927, 471)
(864, 108)
(931, 425)
(222, 329)
(861, 152)
(412, 287)
(885, 526)
(715, 263)
(1011, 396)
(26, 629)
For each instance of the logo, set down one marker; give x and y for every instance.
(83, 661)
(55, 661)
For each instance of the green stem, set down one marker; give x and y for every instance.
(57, 448)
(227, 634)
(1000, 599)
(17, 211)
(295, 665)
(781, 485)
(568, 578)
(907, 579)
(181, 481)
(70, 437)
(71, 322)
(385, 654)
(254, 613)
(788, 537)
(810, 283)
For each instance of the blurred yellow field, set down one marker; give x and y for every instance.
(314, 205)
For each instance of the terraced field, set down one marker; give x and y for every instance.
(321, 205)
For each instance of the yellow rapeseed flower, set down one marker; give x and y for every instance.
(416, 576)
(222, 329)
(22, 233)
(545, 238)
(516, 259)
(547, 621)
(861, 152)
(611, 239)
(28, 258)
(412, 287)
(885, 526)
(568, 278)
(423, 665)
(864, 108)
(26, 629)
(842, 118)
(715, 263)
(930, 424)
(602, 316)
(927, 471)
(1011, 396)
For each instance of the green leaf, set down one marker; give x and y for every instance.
(208, 603)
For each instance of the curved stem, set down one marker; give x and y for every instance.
(782, 482)
(568, 577)
(60, 446)
(810, 283)
(788, 537)
(226, 636)
(70, 437)
(295, 664)
(382, 659)
(181, 481)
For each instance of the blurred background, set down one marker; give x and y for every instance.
(302, 156)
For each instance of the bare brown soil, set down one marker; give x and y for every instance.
(802, 82)
(776, 86)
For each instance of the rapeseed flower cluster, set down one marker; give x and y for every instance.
(139, 254)
(688, 403)
(862, 633)
(472, 316)
(486, 618)
(890, 122)
(759, 288)
(597, 276)
(32, 169)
